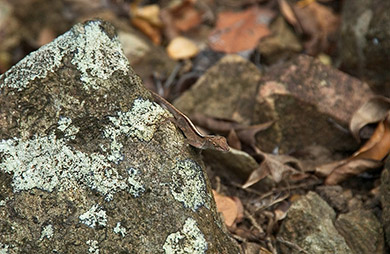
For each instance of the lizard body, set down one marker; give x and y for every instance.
(194, 137)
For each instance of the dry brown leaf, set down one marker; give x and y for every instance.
(186, 16)
(378, 146)
(256, 176)
(148, 29)
(369, 156)
(247, 134)
(180, 18)
(240, 31)
(182, 48)
(233, 140)
(352, 168)
(277, 166)
(316, 21)
(288, 13)
(228, 207)
(326, 169)
(372, 111)
(240, 209)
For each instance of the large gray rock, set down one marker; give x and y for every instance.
(88, 162)
(362, 231)
(307, 101)
(309, 226)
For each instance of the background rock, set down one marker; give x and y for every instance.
(309, 226)
(385, 199)
(364, 45)
(233, 81)
(362, 232)
(307, 100)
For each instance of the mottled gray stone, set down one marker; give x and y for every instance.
(362, 231)
(309, 226)
(88, 162)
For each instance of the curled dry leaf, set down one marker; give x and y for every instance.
(369, 156)
(240, 31)
(374, 110)
(229, 208)
(378, 146)
(352, 168)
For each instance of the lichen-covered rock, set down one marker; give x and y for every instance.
(88, 162)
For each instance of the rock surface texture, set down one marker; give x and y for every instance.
(309, 226)
(88, 162)
(364, 44)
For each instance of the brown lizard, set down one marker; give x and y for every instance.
(193, 135)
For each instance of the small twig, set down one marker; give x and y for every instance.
(168, 83)
(272, 192)
(218, 184)
(291, 244)
(253, 221)
(239, 238)
(158, 84)
(274, 202)
(271, 246)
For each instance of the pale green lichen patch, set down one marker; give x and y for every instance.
(69, 130)
(49, 163)
(4, 201)
(4, 248)
(47, 232)
(95, 54)
(188, 240)
(94, 217)
(188, 185)
(93, 246)
(120, 230)
(98, 56)
(140, 122)
(37, 64)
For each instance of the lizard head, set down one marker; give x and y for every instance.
(219, 143)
